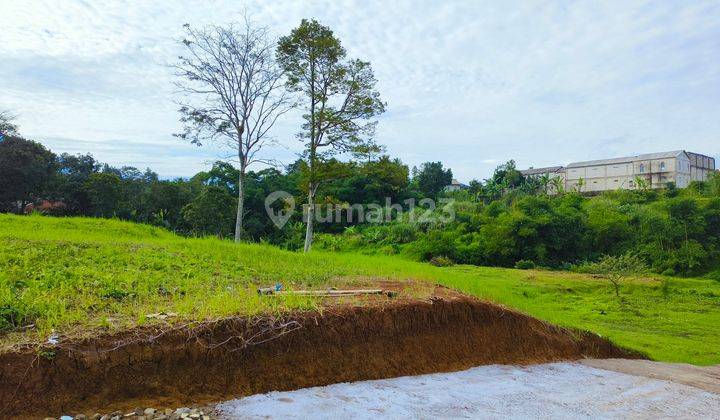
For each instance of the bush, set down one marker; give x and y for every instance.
(669, 272)
(627, 264)
(616, 268)
(714, 275)
(525, 265)
(403, 233)
(441, 261)
(433, 244)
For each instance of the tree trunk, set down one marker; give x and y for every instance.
(241, 205)
(310, 218)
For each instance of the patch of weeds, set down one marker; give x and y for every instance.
(118, 295)
(665, 288)
(13, 316)
(46, 353)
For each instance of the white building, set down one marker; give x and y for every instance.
(652, 170)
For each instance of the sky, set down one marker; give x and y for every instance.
(470, 83)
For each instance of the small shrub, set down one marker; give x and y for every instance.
(714, 275)
(669, 272)
(617, 268)
(665, 287)
(441, 261)
(525, 265)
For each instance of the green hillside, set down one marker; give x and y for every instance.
(69, 274)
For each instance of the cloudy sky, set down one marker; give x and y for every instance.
(471, 83)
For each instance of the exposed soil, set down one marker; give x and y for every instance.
(234, 357)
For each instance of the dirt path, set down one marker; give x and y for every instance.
(556, 390)
(706, 378)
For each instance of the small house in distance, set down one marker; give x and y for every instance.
(455, 185)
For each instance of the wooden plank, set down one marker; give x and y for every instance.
(350, 292)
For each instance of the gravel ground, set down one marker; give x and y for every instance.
(556, 390)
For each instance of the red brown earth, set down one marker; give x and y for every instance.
(234, 357)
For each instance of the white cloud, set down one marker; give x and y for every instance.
(470, 83)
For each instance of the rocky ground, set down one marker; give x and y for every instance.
(146, 414)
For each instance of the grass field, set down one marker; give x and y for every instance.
(76, 274)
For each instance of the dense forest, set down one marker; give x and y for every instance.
(506, 220)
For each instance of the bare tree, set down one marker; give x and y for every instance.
(7, 124)
(233, 93)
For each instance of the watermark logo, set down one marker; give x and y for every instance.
(281, 216)
(425, 210)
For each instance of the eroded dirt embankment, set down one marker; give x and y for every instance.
(240, 356)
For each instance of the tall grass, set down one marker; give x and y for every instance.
(70, 273)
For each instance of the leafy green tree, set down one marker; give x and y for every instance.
(26, 169)
(104, 190)
(544, 182)
(714, 183)
(580, 185)
(507, 176)
(7, 125)
(339, 98)
(211, 212)
(162, 201)
(558, 184)
(641, 183)
(371, 182)
(432, 178)
(68, 184)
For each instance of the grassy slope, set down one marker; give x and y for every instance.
(73, 272)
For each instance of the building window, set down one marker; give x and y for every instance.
(662, 166)
(642, 168)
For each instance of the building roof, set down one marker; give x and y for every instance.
(539, 171)
(628, 159)
(457, 183)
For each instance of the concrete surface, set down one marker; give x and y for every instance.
(556, 390)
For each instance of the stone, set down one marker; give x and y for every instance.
(183, 410)
(96, 416)
(149, 411)
(168, 411)
(80, 417)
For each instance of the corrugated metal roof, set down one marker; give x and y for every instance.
(538, 171)
(628, 159)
